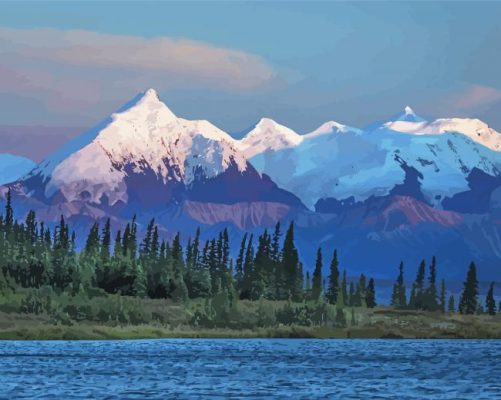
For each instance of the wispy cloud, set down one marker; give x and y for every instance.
(177, 60)
(67, 72)
(463, 99)
(475, 96)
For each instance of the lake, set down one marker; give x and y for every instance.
(251, 368)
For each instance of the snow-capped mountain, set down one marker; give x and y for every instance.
(13, 167)
(343, 162)
(144, 137)
(330, 127)
(268, 135)
(405, 188)
(144, 157)
(475, 129)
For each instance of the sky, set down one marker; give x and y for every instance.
(72, 63)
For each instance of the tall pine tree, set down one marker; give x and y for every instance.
(333, 282)
(398, 296)
(316, 290)
(469, 298)
(490, 303)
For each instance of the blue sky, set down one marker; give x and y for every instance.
(232, 63)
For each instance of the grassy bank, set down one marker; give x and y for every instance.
(367, 323)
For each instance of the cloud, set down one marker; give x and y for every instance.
(177, 60)
(73, 75)
(471, 97)
(463, 99)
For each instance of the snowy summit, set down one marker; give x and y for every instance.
(145, 137)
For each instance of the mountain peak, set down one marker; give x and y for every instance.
(149, 101)
(268, 134)
(265, 121)
(330, 127)
(408, 115)
(151, 92)
(409, 111)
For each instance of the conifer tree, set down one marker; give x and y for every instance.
(451, 307)
(344, 288)
(430, 301)
(195, 250)
(9, 213)
(290, 266)
(398, 296)
(117, 248)
(247, 269)
(370, 297)
(442, 297)
(333, 283)
(259, 275)
(468, 303)
(308, 285)
(362, 289)
(275, 244)
(106, 242)
(490, 303)
(416, 301)
(225, 258)
(316, 290)
(239, 266)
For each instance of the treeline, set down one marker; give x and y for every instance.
(428, 296)
(267, 266)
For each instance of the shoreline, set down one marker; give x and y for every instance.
(143, 332)
(249, 322)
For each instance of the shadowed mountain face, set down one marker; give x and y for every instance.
(404, 189)
(145, 160)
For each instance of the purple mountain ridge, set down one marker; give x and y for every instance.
(404, 189)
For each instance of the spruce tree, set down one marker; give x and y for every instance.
(451, 306)
(247, 270)
(333, 283)
(9, 213)
(490, 303)
(416, 302)
(239, 266)
(370, 297)
(398, 296)
(362, 289)
(290, 266)
(442, 296)
(308, 285)
(344, 288)
(106, 242)
(259, 276)
(275, 244)
(468, 303)
(430, 301)
(316, 290)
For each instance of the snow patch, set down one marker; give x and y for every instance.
(268, 135)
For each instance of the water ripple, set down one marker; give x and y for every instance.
(251, 369)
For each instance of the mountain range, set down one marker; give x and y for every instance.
(404, 188)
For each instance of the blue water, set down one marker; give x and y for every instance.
(298, 369)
